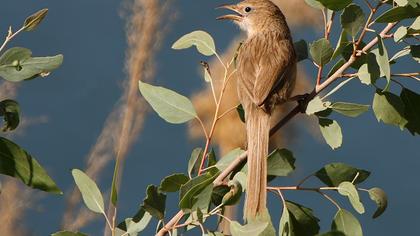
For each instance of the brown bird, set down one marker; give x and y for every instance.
(266, 72)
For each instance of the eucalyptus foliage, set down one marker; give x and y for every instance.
(209, 184)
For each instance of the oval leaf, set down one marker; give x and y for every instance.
(349, 109)
(352, 19)
(398, 13)
(173, 182)
(389, 108)
(331, 131)
(154, 202)
(335, 173)
(321, 51)
(316, 105)
(411, 102)
(252, 229)
(171, 106)
(16, 162)
(280, 163)
(10, 110)
(90, 192)
(335, 5)
(200, 39)
(345, 222)
(379, 196)
(349, 190)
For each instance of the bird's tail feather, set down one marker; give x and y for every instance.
(258, 129)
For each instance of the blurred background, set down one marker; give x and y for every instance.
(90, 108)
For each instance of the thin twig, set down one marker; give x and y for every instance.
(10, 36)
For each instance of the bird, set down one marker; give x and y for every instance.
(266, 74)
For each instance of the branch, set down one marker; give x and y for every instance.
(338, 74)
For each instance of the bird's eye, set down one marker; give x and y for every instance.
(247, 9)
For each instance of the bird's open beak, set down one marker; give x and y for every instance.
(234, 8)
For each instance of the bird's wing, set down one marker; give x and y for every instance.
(276, 63)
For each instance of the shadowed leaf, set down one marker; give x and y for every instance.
(173, 182)
(155, 202)
(379, 196)
(389, 108)
(335, 173)
(345, 222)
(352, 19)
(10, 110)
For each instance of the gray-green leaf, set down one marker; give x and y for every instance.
(200, 39)
(280, 163)
(331, 131)
(389, 108)
(335, 5)
(316, 105)
(335, 173)
(171, 106)
(173, 182)
(91, 194)
(349, 190)
(349, 109)
(345, 222)
(252, 229)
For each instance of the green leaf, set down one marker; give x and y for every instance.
(234, 195)
(345, 222)
(333, 233)
(154, 202)
(404, 52)
(411, 102)
(171, 106)
(301, 48)
(400, 33)
(398, 13)
(280, 163)
(10, 110)
(379, 197)
(315, 4)
(298, 220)
(68, 233)
(316, 105)
(202, 200)
(189, 191)
(415, 52)
(335, 5)
(35, 19)
(200, 39)
(370, 71)
(218, 194)
(349, 109)
(342, 42)
(348, 51)
(225, 161)
(242, 179)
(173, 182)
(352, 19)
(16, 64)
(16, 162)
(91, 194)
(252, 229)
(389, 109)
(349, 190)
(337, 66)
(195, 161)
(383, 60)
(335, 173)
(241, 112)
(331, 131)
(132, 226)
(321, 51)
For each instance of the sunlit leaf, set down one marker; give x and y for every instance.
(383, 60)
(195, 161)
(16, 64)
(349, 190)
(91, 194)
(133, 226)
(349, 109)
(200, 39)
(331, 131)
(370, 71)
(251, 229)
(280, 163)
(316, 105)
(345, 222)
(225, 161)
(171, 106)
(189, 191)
(398, 13)
(315, 4)
(400, 33)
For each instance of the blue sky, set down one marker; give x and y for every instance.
(78, 97)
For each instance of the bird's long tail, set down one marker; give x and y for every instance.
(258, 129)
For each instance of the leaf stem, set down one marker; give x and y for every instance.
(10, 36)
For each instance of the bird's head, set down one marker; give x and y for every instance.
(255, 15)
